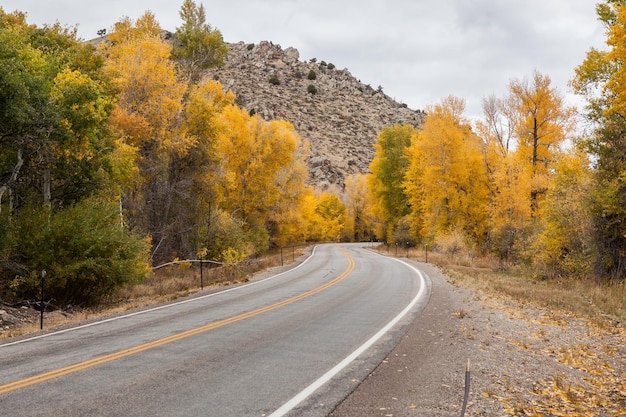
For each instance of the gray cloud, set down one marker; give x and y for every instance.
(420, 51)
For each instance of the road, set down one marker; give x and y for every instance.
(294, 344)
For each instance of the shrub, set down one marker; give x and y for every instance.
(250, 46)
(312, 75)
(330, 66)
(311, 89)
(274, 80)
(85, 253)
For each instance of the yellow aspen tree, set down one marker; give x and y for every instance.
(311, 220)
(359, 217)
(332, 213)
(149, 94)
(147, 116)
(542, 123)
(253, 154)
(564, 248)
(287, 221)
(447, 178)
(196, 209)
(510, 210)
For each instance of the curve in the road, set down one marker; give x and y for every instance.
(304, 394)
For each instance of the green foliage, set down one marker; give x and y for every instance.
(311, 89)
(600, 79)
(83, 249)
(386, 181)
(312, 75)
(250, 46)
(330, 66)
(274, 80)
(201, 45)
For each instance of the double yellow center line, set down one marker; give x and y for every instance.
(23, 383)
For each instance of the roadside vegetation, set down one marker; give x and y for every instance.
(118, 157)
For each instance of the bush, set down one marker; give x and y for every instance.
(274, 80)
(84, 251)
(330, 66)
(311, 89)
(250, 46)
(312, 75)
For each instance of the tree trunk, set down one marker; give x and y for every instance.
(6, 186)
(47, 194)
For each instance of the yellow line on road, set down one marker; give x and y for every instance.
(23, 383)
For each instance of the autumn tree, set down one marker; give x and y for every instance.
(522, 136)
(601, 79)
(565, 246)
(332, 217)
(257, 159)
(542, 122)
(359, 220)
(287, 219)
(447, 180)
(148, 117)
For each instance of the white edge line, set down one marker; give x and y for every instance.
(300, 397)
(158, 308)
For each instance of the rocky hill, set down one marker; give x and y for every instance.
(340, 116)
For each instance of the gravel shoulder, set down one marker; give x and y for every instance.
(524, 361)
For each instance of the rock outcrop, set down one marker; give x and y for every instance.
(339, 116)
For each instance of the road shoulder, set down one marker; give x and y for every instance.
(524, 361)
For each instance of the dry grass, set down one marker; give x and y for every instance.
(161, 286)
(584, 298)
(183, 279)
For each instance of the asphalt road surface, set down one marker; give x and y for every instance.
(294, 344)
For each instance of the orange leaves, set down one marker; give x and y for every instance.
(149, 93)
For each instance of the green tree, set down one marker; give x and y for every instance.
(201, 45)
(83, 250)
(600, 79)
(386, 180)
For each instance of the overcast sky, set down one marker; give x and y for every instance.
(419, 51)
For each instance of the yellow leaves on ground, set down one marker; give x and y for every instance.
(589, 385)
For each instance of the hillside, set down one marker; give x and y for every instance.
(341, 120)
